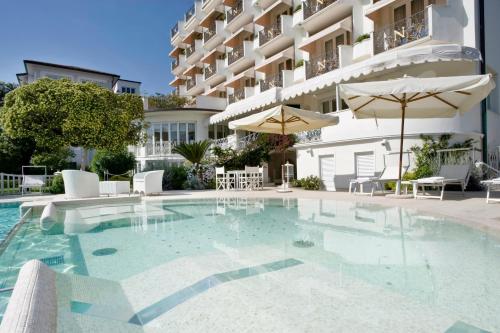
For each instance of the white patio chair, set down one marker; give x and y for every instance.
(448, 175)
(261, 178)
(220, 179)
(389, 174)
(80, 184)
(149, 182)
(491, 185)
(252, 177)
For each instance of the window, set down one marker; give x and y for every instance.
(182, 133)
(132, 90)
(191, 132)
(124, 90)
(326, 107)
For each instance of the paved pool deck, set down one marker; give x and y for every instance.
(470, 209)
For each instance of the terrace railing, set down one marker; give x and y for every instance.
(222, 143)
(311, 7)
(210, 70)
(190, 50)
(159, 149)
(401, 32)
(269, 33)
(237, 53)
(238, 95)
(322, 64)
(233, 12)
(209, 32)
(174, 30)
(175, 63)
(247, 140)
(271, 82)
(309, 136)
(190, 13)
(190, 83)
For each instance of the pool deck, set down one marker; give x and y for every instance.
(470, 209)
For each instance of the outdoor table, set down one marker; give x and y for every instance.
(114, 187)
(236, 175)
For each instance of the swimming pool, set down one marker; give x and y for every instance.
(9, 215)
(275, 265)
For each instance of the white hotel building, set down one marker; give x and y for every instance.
(243, 56)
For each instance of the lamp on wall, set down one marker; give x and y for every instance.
(386, 144)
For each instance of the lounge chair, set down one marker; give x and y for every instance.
(389, 174)
(32, 181)
(448, 175)
(149, 182)
(491, 184)
(80, 184)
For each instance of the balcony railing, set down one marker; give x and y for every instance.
(309, 136)
(322, 64)
(190, 13)
(210, 70)
(190, 50)
(311, 7)
(174, 30)
(238, 95)
(247, 140)
(190, 83)
(209, 32)
(401, 32)
(159, 149)
(269, 33)
(271, 82)
(237, 53)
(175, 63)
(234, 11)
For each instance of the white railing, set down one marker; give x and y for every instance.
(11, 183)
(247, 140)
(309, 136)
(159, 149)
(222, 143)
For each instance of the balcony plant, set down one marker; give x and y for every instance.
(362, 38)
(299, 63)
(297, 8)
(195, 153)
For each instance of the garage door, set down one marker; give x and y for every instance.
(327, 172)
(365, 164)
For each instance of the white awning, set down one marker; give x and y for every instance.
(381, 62)
(283, 55)
(231, 82)
(255, 102)
(345, 24)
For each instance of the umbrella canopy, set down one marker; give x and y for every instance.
(411, 97)
(283, 120)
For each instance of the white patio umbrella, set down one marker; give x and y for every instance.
(284, 120)
(410, 97)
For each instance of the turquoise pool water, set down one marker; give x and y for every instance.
(263, 265)
(9, 215)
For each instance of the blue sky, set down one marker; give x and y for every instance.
(130, 38)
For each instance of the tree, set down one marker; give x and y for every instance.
(193, 152)
(61, 113)
(171, 101)
(5, 88)
(115, 162)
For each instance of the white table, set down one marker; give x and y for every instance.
(114, 187)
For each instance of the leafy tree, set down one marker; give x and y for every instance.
(54, 159)
(171, 101)
(61, 113)
(115, 162)
(14, 153)
(5, 87)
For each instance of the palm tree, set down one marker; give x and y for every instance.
(193, 152)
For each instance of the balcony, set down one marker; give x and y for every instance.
(240, 12)
(321, 64)
(238, 95)
(177, 33)
(209, 5)
(214, 35)
(214, 72)
(241, 57)
(194, 51)
(190, 13)
(276, 37)
(194, 85)
(319, 14)
(271, 81)
(174, 31)
(179, 65)
(159, 149)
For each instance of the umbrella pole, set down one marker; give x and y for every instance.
(284, 150)
(403, 109)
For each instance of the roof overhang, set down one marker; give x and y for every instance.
(177, 81)
(265, 66)
(264, 19)
(234, 81)
(190, 37)
(211, 56)
(176, 51)
(372, 10)
(211, 16)
(341, 26)
(238, 36)
(214, 90)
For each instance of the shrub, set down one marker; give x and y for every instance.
(173, 176)
(296, 183)
(362, 38)
(116, 163)
(57, 186)
(120, 178)
(312, 183)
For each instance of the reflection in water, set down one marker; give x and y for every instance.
(392, 250)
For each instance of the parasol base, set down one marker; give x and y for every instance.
(399, 196)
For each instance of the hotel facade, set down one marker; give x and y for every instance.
(239, 57)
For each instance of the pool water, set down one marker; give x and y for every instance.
(289, 265)
(9, 215)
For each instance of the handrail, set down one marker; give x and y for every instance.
(234, 11)
(321, 64)
(312, 7)
(237, 53)
(269, 33)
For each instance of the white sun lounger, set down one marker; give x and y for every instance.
(389, 174)
(448, 175)
(32, 181)
(491, 184)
